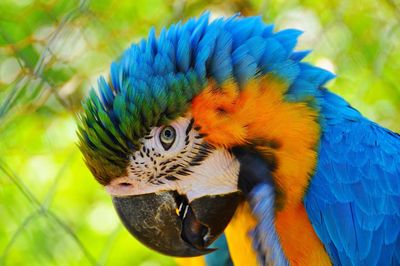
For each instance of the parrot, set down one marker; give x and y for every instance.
(218, 127)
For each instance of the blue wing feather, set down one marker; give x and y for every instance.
(265, 238)
(353, 200)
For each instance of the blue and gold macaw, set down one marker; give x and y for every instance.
(219, 126)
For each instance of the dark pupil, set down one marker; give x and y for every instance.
(168, 133)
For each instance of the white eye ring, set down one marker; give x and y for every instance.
(167, 137)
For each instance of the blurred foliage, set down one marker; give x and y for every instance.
(51, 52)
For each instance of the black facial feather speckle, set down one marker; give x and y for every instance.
(189, 127)
(158, 169)
(202, 152)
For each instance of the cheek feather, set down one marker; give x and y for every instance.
(216, 175)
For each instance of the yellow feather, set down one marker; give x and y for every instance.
(237, 236)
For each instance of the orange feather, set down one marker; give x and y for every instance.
(229, 117)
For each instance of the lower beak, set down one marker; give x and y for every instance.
(167, 223)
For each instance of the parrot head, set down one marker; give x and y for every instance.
(165, 134)
(179, 192)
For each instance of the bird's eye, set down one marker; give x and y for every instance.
(167, 137)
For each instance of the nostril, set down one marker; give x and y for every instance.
(121, 187)
(125, 184)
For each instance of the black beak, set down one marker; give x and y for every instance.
(168, 223)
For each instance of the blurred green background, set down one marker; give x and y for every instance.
(52, 212)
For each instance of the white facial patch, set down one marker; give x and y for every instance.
(216, 175)
(189, 166)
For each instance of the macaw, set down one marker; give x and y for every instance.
(219, 127)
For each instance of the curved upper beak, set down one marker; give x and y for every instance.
(168, 223)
